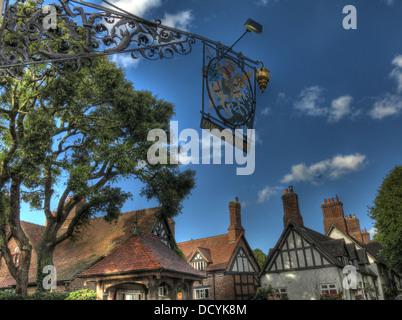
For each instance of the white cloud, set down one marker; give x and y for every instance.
(266, 193)
(389, 105)
(335, 168)
(389, 2)
(396, 73)
(372, 232)
(310, 101)
(266, 111)
(137, 7)
(180, 20)
(265, 2)
(125, 60)
(340, 108)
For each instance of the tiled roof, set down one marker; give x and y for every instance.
(206, 253)
(220, 250)
(373, 248)
(143, 252)
(96, 241)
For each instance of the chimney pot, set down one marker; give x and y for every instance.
(325, 201)
(336, 199)
(286, 191)
(332, 200)
(350, 216)
(237, 199)
(290, 189)
(354, 216)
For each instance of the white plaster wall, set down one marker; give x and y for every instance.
(303, 284)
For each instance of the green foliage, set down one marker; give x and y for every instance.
(261, 294)
(83, 294)
(78, 134)
(260, 256)
(387, 213)
(11, 295)
(170, 186)
(268, 293)
(176, 248)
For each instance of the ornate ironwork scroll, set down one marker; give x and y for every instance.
(67, 32)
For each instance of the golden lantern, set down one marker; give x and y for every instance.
(263, 78)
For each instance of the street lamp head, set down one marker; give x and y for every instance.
(252, 25)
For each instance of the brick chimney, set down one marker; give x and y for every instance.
(73, 212)
(332, 211)
(291, 208)
(366, 236)
(353, 227)
(235, 227)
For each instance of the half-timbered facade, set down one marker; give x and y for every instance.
(230, 268)
(305, 264)
(384, 277)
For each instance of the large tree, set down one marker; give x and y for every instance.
(387, 213)
(75, 135)
(260, 256)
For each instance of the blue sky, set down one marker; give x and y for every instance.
(328, 124)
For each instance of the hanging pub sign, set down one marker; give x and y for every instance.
(229, 89)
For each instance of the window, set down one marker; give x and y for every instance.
(163, 290)
(241, 263)
(160, 231)
(201, 293)
(198, 262)
(282, 292)
(328, 289)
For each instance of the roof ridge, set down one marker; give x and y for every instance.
(220, 235)
(35, 224)
(128, 212)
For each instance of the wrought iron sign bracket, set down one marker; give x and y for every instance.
(66, 35)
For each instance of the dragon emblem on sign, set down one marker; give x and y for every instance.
(230, 90)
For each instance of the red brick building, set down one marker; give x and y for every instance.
(129, 259)
(230, 268)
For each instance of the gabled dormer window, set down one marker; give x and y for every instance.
(199, 262)
(242, 263)
(160, 231)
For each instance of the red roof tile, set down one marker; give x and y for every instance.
(141, 252)
(98, 240)
(220, 250)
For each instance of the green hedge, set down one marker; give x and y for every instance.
(84, 294)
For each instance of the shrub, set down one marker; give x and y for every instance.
(10, 295)
(46, 295)
(83, 294)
